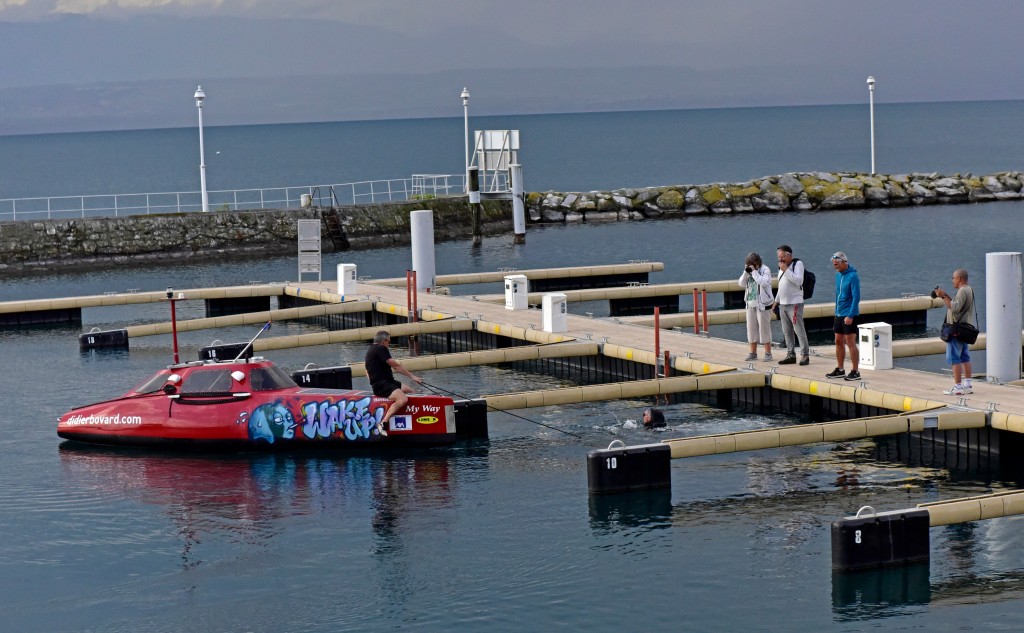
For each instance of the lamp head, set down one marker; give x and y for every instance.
(871, 82)
(465, 96)
(199, 96)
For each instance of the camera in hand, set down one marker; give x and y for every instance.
(749, 270)
(935, 294)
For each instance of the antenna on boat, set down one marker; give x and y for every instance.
(249, 344)
(174, 324)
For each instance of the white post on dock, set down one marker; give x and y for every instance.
(422, 224)
(1003, 299)
(465, 124)
(200, 96)
(871, 107)
(518, 204)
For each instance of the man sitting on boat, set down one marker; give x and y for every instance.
(379, 366)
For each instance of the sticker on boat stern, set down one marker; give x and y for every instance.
(401, 423)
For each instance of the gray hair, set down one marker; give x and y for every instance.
(381, 336)
(961, 273)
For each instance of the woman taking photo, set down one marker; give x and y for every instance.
(756, 281)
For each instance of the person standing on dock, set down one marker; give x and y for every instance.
(959, 309)
(757, 282)
(380, 368)
(847, 315)
(790, 301)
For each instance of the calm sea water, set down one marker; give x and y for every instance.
(563, 152)
(499, 535)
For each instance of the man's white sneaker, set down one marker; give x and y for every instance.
(968, 389)
(955, 390)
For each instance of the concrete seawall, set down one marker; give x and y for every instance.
(28, 246)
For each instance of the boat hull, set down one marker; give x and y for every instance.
(267, 421)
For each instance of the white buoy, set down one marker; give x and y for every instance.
(518, 204)
(421, 223)
(1003, 300)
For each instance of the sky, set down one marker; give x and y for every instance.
(115, 64)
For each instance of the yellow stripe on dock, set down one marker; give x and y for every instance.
(491, 357)
(132, 298)
(991, 506)
(250, 318)
(538, 273)
(623, 390)
(360, 334)
(823, 432)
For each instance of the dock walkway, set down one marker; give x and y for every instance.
(899, 389)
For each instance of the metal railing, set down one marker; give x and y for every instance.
(124, 204)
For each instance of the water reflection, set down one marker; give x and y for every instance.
(899, 591)
(866, 595)
(647, 508)
(247, 499)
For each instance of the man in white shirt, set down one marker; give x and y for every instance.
(790, 300)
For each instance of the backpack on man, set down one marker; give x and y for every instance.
(809, 280)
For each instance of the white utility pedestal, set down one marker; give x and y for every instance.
(346, 280)
(874, 342)
(555, 313)
(516, 288)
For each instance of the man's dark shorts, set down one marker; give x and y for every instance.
(839, 327)
(386, 388)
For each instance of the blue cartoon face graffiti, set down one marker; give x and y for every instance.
(270, 422)
(322, 420)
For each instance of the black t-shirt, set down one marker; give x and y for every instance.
(377, 368)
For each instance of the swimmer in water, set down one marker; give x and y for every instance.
(654, 419)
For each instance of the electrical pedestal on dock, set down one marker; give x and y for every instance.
(555, 312)
(346, 280)
(874, 342)
(516, 292)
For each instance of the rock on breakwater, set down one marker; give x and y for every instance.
(804, 191)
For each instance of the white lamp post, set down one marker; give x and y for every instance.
(465, 122)
(871, 100)
(199, 96)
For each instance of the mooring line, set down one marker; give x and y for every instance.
(438, 390)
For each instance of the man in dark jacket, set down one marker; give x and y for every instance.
(379, 366)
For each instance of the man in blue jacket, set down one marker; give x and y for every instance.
(847, 315)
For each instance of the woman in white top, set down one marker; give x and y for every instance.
(756, 281)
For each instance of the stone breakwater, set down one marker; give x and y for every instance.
(31, 245)
(789, 192)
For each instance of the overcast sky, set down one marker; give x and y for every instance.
(516, 56)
